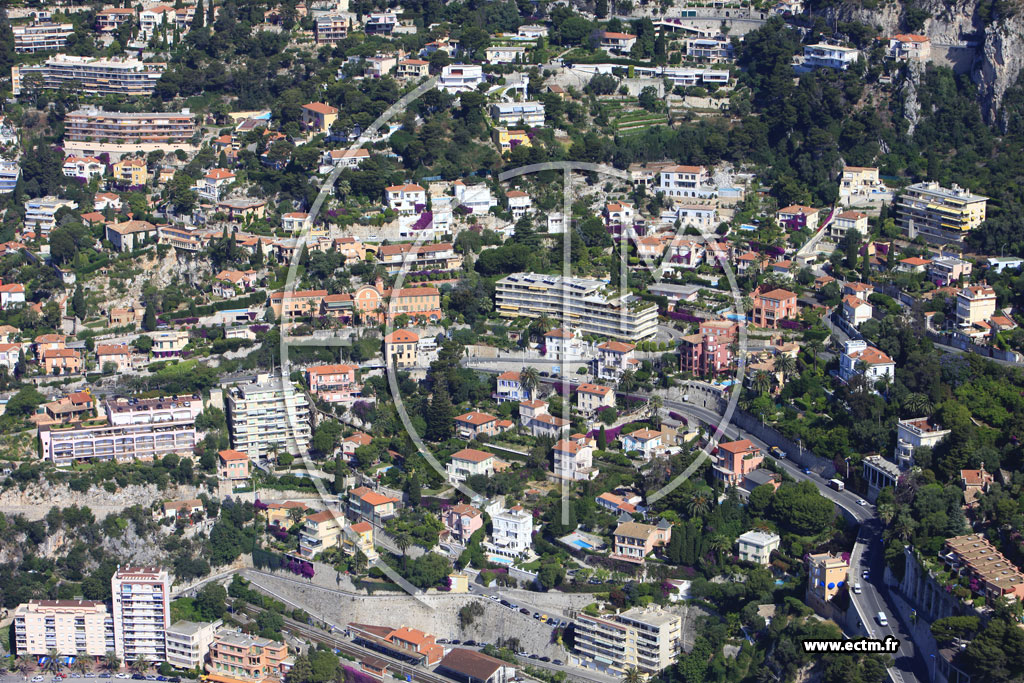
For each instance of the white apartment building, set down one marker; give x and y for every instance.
(648, 639)
(478, 198)
(402, 199)
(914, 433)
(518, 203)
(456, 78)
(511, 532)
(134, 429)
(142, 612)
(702, 217)
(41, 36)
(78, 628)
(975, 304)
(591, 306)
(685, 181)
(188, 643)
(614, 358)
(757, 546)
(10, 172)
(529, 114)
(267, 415)
(41, 214)
(574, 459)
(714, 50)
(470, 462)
(91, 75)
(83, 167)
(846, 221)
(822, 55)
(876, 364)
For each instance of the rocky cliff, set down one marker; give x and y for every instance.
(962, 36)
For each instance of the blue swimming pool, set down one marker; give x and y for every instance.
(498, 559)
(580, 543)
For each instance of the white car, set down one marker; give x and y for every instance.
(37, 679)
(861, 502)
(864, 574)
(857, 588)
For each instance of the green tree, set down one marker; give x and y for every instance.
(149, 319)
(440, 413)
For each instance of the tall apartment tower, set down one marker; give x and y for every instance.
(142, 612)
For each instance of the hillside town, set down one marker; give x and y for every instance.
(501, 342)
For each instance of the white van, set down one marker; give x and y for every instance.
(882, 620)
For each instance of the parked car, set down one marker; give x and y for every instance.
(470, 643)
(536, 615)
(534, 656)
(558, 662)
(523, 610)
(545, 659)
(856, 588)
(442, 641)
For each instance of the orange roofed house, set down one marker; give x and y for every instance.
(297, 304)
(771, 307)
(243, 657)
(366, 504)
(233, 466)
(375, 303)
(334, 383)
(318, 117)
(470, 462)
(61, 361)
(735, 460)
(400, 348)
(403, 642)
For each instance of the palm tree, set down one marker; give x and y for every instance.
(886, 511)
(22, 664)
(654, 405)
(786, 365)
(81, 665)
(402, 542)
(111, 662)
(53, 663)
(814, 347)
(918, 404)
(718, 544)
(140, 664)
(529, 378)
(761, 382)
(627, 382)
(698, 505)
(633, 675)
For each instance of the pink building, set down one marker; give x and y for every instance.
(735, 460)
(462, 521)
(771, 307)
(334, 383)
(704, 354)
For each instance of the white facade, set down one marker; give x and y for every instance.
(456, 78)
(475, 197)
(822, 55)
(913, 434)
(512, 113)
(188, 643)
(757, 546)
(512, 532)
(266, 414)
(142, 612)
(877, 365)
(684, 181)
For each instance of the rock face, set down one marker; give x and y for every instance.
(991, 50)
(999, 65)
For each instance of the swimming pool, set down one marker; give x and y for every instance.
(580, 543)
(498, 559)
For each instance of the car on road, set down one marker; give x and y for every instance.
(523, 610)
(778, 452)
(442, 641)
(864, 574)
(506, 603)
(456, 641)
(470, 643)
(545, 659)
(544, 618)
(807, 470)
(861, 502)
(534, 656)
(37, 679)
(107, 675)
(536, 615)
(856, 588)
(161, 678)
(558, 662)
(122, 675)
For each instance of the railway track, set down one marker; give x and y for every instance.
(396, 666)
